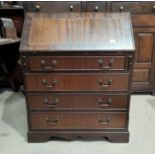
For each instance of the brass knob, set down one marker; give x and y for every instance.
(71, 7)
(43, 62)
(53, 119)
(153, 7)
(100, 61)
(37, 7)
(105, 84)
(46, 85)
(104, 120)
(51, 104)
(96, 8)
(54, 62)
(46, 100)
(121, 8)
(104, 103)
(44, 81)
(54, 82)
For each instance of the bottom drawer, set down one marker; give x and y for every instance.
(78, 120)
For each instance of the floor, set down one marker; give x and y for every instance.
(13, 129)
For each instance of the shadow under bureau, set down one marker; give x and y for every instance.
(77, 70)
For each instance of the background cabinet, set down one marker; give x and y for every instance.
(143, 20)
(143, 64)
(96, 6)
(52, 6)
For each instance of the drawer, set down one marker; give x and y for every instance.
(77, 82)
(78, 120)
(134, 7)
(53, 63)
(76, 101)
(96, 6)
(143, 19)
(52, 6)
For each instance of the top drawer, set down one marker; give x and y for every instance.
(62, 63)
(134, 7)
(52, 6)
(96, 6)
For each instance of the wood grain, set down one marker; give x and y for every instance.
(96, 6)
(77, 63)
(78, 120)
(77, 101)
(141, 75)
(77, 82)
(81, 93)
(134, 7)
(77, 31)
(145, 47)
(51, 7)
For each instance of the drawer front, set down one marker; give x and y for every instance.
(77, 101)
(77, 82)
(134, 7)
(96, 6)
(78, 120)
(143, 19)
(53, 63)
(52, 6)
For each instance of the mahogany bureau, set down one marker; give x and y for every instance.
(77, 70)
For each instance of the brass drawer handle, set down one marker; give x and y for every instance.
(51, 104)
(71, 7)
(43, 64)
(101, 64)
(96, 8)
(37, 7)
(103, 84)
(104, 120)
(153, 7)
(104, 103)
(52, 120)
(53, 83)
(121, 8)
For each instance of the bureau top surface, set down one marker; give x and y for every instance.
(77, 32)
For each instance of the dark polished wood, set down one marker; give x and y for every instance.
(77, 101)
(67, 63)
(78, 120)
(114, 136)
(134, 7)
(143, 21)
(77, 32)
(95, 6)
(52, 7)
(77, 82)
(77, 70)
